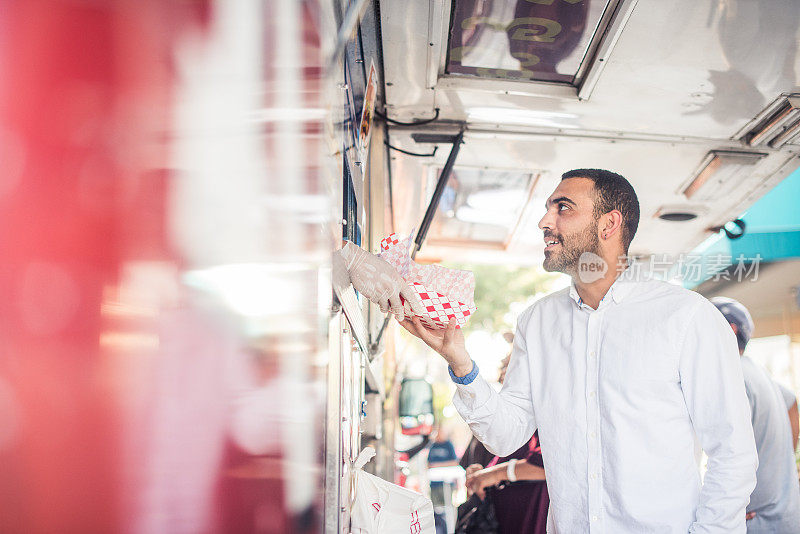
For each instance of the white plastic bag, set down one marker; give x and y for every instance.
(381, 507)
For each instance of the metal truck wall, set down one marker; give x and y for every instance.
(355, 392)
(164, 273)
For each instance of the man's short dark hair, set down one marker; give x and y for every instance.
(612, 192)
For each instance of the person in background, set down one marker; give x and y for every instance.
(442, 453)
(475, 454)
(791, 406)
(521, 504)
(775, 502)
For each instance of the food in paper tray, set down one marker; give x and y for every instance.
(445, 293)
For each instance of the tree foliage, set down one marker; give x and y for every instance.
(497, 287)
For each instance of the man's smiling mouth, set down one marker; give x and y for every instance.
(550, 243)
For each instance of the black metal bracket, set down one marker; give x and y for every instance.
(444, 176)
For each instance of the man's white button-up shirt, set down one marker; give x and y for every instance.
(622, 397)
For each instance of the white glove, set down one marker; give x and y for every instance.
(373, 277)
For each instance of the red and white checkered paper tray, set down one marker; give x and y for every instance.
(445, 293)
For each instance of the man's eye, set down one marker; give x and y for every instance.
(561, 207)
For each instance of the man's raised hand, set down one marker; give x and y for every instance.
(448, 342)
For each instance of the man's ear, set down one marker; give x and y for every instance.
(610, 223)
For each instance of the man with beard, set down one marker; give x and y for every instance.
(624, 377)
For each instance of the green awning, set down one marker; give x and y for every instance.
(772, 234)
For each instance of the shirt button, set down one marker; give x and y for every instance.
(593, 435)
(594, 476)
(592, 354)
(594, 518)
(592, 394)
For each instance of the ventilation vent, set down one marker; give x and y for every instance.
(679, 213)
(777, 125)
(721, 172)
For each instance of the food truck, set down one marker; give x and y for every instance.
(179, 354)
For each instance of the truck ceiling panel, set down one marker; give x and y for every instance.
(657, 170)
(680, 68)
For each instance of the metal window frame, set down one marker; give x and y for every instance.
(608, 31)
(535, 179)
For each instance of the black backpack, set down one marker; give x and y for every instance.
(477, 516)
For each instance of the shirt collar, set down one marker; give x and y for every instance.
(573, 293)
(622, 285)
(618, 290)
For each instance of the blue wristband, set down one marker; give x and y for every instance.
(464, 380)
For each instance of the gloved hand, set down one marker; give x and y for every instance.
(379, 282)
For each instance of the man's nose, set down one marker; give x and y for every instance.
(546, 221)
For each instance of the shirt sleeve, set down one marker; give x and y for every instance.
(713, 388)
(788, 395)
(502, 421)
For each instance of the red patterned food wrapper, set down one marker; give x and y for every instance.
(445, 293)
